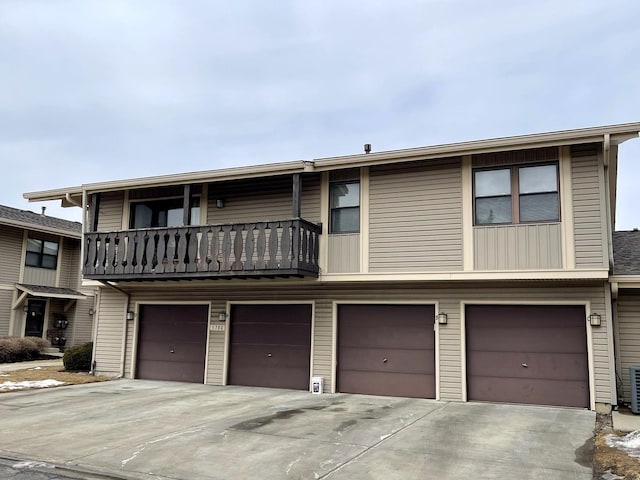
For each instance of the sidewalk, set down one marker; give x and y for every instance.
(9, 367)
(625, 421)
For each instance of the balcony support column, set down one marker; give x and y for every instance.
(296, 196)
(186, 206)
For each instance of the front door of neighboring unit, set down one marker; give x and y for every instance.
(387, 350)
(34, 324)
(535, 354)
(172, 342)
(270, 345)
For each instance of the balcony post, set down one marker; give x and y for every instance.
(186, 206)
(296, 195)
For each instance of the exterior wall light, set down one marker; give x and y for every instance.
(222, 317)
(442, 318)
(130, 315)
(91, 312)
(595, 320)
(25, 309)
(219, 203)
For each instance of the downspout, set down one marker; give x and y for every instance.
(124, 329)
(607, 196)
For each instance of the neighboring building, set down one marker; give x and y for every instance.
(40, 293)
(625, 288)
(470, 271)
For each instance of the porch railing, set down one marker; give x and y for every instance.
(272, 248)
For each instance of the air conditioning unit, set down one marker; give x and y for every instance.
(634, 374)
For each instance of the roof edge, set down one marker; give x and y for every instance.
(40, 228)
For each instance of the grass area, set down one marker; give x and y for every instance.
(37, 374)
(614, 460)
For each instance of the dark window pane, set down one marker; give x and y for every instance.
(490, 183)
(142, 216)
(32, 260)
(493, 210)
(345, 220)
(539, 207)
(538, 179)
(50, 248)
(49, 261)
(345, 194)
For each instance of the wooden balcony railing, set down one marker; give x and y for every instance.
(262, 249)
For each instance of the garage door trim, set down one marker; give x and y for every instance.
(136, 330)
(227, 336)
(334, 342)
(587, 308)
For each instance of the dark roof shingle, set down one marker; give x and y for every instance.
(38, 220)
(626, 252)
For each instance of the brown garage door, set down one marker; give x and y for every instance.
(386, 350)
(270, 346)
(172, 342)
(527, 354)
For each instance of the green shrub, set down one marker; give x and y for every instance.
(20, 349)
(78, 358)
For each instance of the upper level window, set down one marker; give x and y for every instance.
(517, 194)
(162, 213)
(345, 207)
(41, 254)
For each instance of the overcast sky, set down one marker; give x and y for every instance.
(103, 90)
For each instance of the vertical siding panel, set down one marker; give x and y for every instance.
(344, 253)
(108, 346)
(628, 307)
(415, 215)
(110, 211)
(10, 254)
(39, 276)
(587, 214)
(6, 299)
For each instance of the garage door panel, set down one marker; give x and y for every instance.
(401, 334)
(400, 361)
(172, 342)
(296, 334)
(537, 339)
(532, 391)
(554, 366)
(270, 345)
(527, 354)
(392, 384)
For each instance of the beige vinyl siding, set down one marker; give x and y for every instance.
(82, 321)
(70, 263)
(587, 209)
(11, 248)
(266, 199)
(110, 211)
(39, 276)
(515, 247)
(6, 299)
(628, 323)
(344, 253)
(415, 217)
(450, 301)
(108, 347)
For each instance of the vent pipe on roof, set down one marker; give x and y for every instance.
(43, 210)
(367, 148)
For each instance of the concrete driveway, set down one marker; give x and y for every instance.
(138, 429)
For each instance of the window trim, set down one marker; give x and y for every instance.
(41, 255)
(514, 175)
(333, 209)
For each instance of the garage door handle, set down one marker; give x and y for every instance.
(173, 351)
(269, 355)
(384, 360)
(525, 365)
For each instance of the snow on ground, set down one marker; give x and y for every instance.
(629, 443)
(6, 386)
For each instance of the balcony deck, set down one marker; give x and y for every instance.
(280, 248)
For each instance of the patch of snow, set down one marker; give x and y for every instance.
(382, 437)
(32, 465)
(629, 443)
(36, 368)
(4, 374)
(608, 475)
(8, 386)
